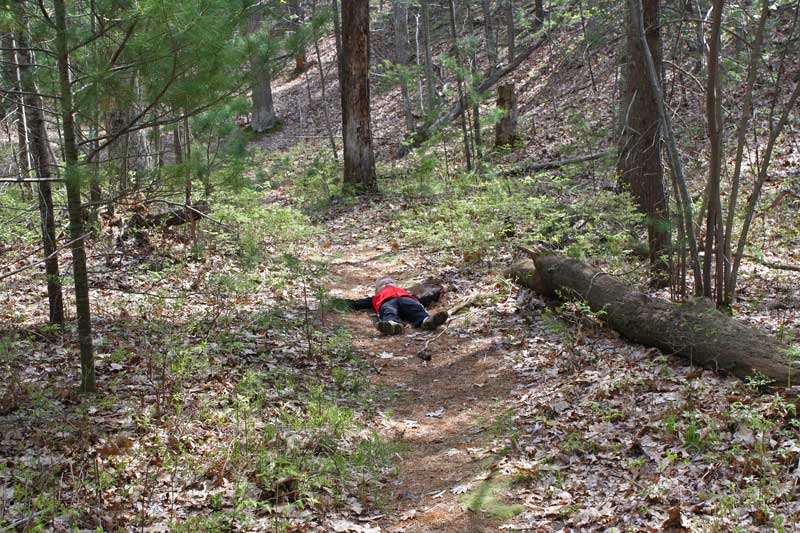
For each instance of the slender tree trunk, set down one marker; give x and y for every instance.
(325, 110)
(510, 30)
(187, 146)
(298, 15)
(42, 164)
(539, 13)
(474, 95)
(672, 147)
(401, 51)
(72, 176)
(337, 33)
(264, 117)
(430, 91)
(359, 158)
(694, 9)
(714, 124)
(491, 41)
(763, 173)
(640, 168)
(12, 72)
(744, 121)
(460, 83)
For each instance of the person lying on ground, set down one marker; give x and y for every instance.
(394, 305)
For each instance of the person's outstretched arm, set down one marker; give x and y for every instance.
(356, 305)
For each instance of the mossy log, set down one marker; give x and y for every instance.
(695, 330)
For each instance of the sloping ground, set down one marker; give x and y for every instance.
(532, 419)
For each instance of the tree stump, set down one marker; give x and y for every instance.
(506, 129)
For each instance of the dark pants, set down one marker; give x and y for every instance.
(403, 308)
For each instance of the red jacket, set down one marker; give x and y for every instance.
(387, 293)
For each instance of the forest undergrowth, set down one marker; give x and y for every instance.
(234, 396)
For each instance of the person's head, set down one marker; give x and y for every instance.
(383, 282)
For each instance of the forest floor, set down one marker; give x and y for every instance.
(233, 398)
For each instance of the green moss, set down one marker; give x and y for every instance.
(487, 498)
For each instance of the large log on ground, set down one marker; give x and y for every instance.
(168, 219)
(694, 330)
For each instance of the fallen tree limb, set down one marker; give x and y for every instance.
(423, 134)
(550, 165)
(694, 330)
(774, 266)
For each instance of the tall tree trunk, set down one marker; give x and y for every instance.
(359, 158)
(510, 30)
(42, 164)
(653, 73)
(73, 182)
(714, 125)
(744, 121)
(694, 9)
(491, 41)
(460, 84)
(323, 84)
(15, 97)
(263, 110)
(430, 91)
(474, 94)
(337, 33)
(763, 173)
(401, 51)
(539, 13)
(296, 8)
(639, 165)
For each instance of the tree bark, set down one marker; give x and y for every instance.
(506, 128)
(672, 147)
(640, 169)
(714, 245)
(430, 92)
(744, 121)
(42, 164)
(510, 30)
(12, 71)
(264, 117)
(401, 50)
(323, 87)
(539, 13)
(359, 158)
(694, 330)
(491, 41)
(462, 100)
(298, 15)
(73, 185)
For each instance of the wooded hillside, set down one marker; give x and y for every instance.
(193, 190)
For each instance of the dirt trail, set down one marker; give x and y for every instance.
(444, 410)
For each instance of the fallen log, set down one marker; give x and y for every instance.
(167, 219)
(551, 165)
(694, 330)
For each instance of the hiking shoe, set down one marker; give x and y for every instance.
(389, 327)
(434, 321)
